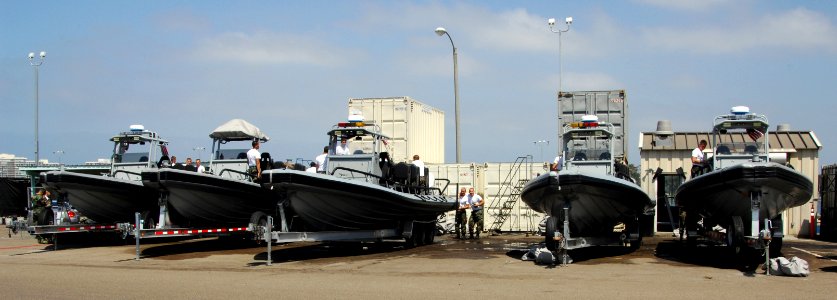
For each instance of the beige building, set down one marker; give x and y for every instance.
(672, 151)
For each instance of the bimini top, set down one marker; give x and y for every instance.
(238, 130)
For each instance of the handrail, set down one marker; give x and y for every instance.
(126, 172)
(415, 187)
(234, 171)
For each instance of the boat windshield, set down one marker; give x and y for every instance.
(745, 148)
(588, 148)
(132, 153)
(231, 154)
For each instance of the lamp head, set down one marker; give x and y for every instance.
(31, 55)
(43, 54)
(440, 31)
(569, 20)
(551, 21)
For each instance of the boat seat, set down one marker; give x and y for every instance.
(580, 156)
(266, 163)
(401, 175)
(723, 150)
(604, 156)
(143, 159)
(386, 166)
(241, 155)
(358, 151)
(751, 149)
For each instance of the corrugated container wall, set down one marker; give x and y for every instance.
(413, 127)
(487, 179)
(609, 106)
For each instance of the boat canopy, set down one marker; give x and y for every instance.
(238, 130)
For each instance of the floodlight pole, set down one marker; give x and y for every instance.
(36, 64)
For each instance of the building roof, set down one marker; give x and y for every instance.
(785, 141)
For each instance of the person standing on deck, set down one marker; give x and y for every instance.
(253, 158)
(698, 160)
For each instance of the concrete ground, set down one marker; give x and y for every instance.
(489, 268)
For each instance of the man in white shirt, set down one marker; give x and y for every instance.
(556, 164)
(461, 214)
(253, 158)
(698, 160)
(476, 203)
(342, 149)
(312, 167)
(200, 168)
(321, 160)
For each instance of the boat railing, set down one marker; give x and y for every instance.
(414, 189)
(221, 174)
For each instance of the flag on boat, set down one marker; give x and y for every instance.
(754, 134)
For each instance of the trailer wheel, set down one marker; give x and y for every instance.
(430, 233)
(691, 225)
(419, 230)
(259, 219)
(551, 228)
(735, 234)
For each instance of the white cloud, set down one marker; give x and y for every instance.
(685, 5)
(272, 48)
(797, 29)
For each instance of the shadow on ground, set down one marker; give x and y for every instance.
(709, 255)
(309, 251)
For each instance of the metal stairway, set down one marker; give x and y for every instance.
(509, 194)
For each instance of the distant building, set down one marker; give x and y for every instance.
(10, 165)
(672, 151)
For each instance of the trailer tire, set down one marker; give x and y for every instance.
(551, 228)
(430, 233)
(259, 219)
(735, 234)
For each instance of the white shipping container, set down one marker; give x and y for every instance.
(487, 179)
(413, 127)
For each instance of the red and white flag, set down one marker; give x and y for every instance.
(754, 133)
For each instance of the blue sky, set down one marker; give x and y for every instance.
(182, 68)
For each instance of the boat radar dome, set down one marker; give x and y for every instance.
(137, 127)
(589, 118)
(355, 117)
(740, 110)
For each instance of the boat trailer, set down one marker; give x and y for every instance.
(562, 242)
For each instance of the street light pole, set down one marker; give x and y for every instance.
(568, 21)
(540, 143)
(59, 152)
(551, 22)
(37, 64)
(441, 31)
(199, 150)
